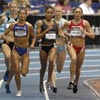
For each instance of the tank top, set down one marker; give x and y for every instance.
(50, 36)
(74, 29)
(10, 20)
(20, 31)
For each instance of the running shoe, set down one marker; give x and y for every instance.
(54, 89)
(49, 86)
(70, 86)
(7, 87)
(41, 88)
(75, 89)
(18, 94)
(6, 75)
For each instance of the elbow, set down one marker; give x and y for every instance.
(93, 36)
(38, 37)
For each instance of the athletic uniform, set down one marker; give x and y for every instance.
(61, 48)
(50, 37)
(9, 20)
(20, 32)
(75, 32)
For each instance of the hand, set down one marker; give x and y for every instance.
(7, 41)
(66, 40)
(31, 46)
(50, 27)
(66, 33)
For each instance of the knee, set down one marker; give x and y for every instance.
(74, 60)
(43, 65)
(59, 69)
(78, 70)
(17, 72)
(51, 62)
(24, 73)
(8, 57)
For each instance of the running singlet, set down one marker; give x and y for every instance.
(10, 20)
(75, 29)
(50, 36)
(20, 31)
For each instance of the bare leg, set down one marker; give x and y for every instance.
(52, 55)
(25, 64)
(7, 53)
(79, 63)
(60, 60)
(80, 59)
(43, 61)
(16, 67)
(73, 57)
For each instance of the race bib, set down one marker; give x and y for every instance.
(50, 36)
(20, 31)
(76, 33)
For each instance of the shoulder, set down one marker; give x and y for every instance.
(85, 22)
(13, 24)
(29, 24)
(63, 20)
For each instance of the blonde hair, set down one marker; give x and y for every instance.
(12, 3)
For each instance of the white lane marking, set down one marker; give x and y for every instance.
(45, 90)
(89, 66)
(1, 82)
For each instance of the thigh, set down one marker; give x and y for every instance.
(61, 58)
(52, 54)
(25, 62)
(80, 59)
(15, 60)
(43, 57)
(71, 52)
(6, 50)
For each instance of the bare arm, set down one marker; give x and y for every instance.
(66, 24)
(10, 28)
(40, 35)
(89, 32)
(2, 18)
(61, 30)
(32, 36)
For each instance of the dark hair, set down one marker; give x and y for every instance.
(76, 8)
(22, 8)
(48, 7)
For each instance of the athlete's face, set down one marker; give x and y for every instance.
(22, 15)
(58, 11)
(78, 13)
(13, 8)
(49, 13)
